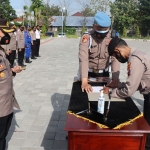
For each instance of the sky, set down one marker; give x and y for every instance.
(18, 5)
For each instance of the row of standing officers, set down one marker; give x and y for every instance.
(26, 41)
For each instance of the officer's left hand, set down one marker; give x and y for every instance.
(113, 84)
(17, 69)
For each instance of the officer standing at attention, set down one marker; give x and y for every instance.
(38, 37)
(33, 37)
(28, 41)
(138, 71)
(12, 46)
(94, 59)
(7, 96)
(21, 46)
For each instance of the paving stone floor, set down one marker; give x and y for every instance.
(43, 92)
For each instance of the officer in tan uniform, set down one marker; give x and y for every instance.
(12, 46)
(94, 58)
(7, 96)
(138, 71)
(21, 46)
(33, 37)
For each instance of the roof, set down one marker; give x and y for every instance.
(73, 21)
(78, 14)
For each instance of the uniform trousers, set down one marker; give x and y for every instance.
(146, 111)
(11, 57)
(21, 56)
(33, 49)
(28, 50)
(37, 47)
(5, 123)
(94, 75)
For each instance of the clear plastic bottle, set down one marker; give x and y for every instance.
(101, 103)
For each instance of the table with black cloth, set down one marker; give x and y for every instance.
(125, 128)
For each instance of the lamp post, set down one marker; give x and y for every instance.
(63, 8)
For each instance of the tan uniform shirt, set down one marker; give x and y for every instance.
(20, 39)
(33, 35)
(97, 56)
(12, 45)
(7, 98)
(138, 76)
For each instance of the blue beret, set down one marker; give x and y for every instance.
(102, 19)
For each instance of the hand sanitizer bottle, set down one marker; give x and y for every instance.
(101, 103)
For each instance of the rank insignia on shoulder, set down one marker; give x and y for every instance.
(2, 75)
(1, 67)
(85, 38)
(128, 68)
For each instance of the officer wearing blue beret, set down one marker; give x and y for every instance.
(94, 59)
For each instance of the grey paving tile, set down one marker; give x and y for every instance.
(44, 93)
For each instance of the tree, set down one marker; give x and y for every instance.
(100, 5)
(6, 10)
(137, 32)
(36, 7)
(124, 14)
(124, 32)
(144, 10)
(88, 12)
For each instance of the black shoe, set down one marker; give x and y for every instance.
(28, 61)
(23, 65)
(33, 58)
(38, 56)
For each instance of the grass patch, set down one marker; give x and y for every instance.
(72, 36)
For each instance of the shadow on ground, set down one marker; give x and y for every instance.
(55, 136)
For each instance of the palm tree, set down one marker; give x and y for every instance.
(36, 7)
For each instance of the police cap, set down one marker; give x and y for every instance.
(4, 26)
(102, 19)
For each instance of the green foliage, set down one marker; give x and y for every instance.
(88, 12)
(137, 32)
(6, 10)
(43, 29)
(124, 32)
(124, 14)
(70, 31)
(99, 5)
(51, 10)
(17, 24)
(144, 13)
(83, 30)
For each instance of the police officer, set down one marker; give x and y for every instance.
(7, 97)
(38, 37)
(94, 59)
(12, 46)
(21, 46)
(33, 47)
(137, 79)
(28, 41)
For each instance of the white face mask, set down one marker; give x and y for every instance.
(102, 31)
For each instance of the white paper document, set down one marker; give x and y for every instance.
(96, 89)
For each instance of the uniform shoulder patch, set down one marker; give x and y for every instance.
(85, 38)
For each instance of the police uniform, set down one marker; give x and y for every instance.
(33, 47)
(137, 80)
(28, 41)
(21, 45)
(12, 46)
(7, 96)
(94, 59)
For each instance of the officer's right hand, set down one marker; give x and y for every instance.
(87, 87)
(20, 49)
